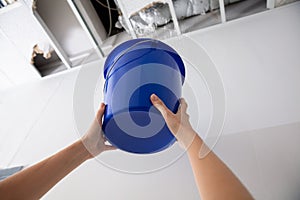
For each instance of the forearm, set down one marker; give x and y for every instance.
(35, 181)
(213, 178)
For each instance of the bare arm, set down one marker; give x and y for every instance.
(35, 181)
(213, 178)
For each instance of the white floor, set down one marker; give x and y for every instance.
(258, 60)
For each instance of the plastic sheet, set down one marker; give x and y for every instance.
(149, 18)
(146, 20)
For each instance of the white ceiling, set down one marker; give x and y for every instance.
(257, 59)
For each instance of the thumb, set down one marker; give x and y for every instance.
(159, 104)
(110, 147)
(100, 113)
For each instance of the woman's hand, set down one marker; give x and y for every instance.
(94, 140)
(214, 179)
(178, 123)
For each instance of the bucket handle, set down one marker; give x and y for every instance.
(122, 54)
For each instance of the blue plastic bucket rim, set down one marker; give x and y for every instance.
(109, 66)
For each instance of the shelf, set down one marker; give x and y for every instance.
(10, 7)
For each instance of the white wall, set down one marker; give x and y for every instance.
(258, 58)
(266, 160)
(19, 32)
(21, 29)
(5, 81)
(15, 66)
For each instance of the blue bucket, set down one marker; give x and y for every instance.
(133, 71)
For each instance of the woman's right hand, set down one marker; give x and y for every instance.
(178, 123)
(214, 179)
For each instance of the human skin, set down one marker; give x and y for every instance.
(213, 178)
(33, 182)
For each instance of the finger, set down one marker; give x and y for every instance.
(100, 113)
(182, 107)
(103, 136)
(159, 104)
(104, 139)
(109, 147)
